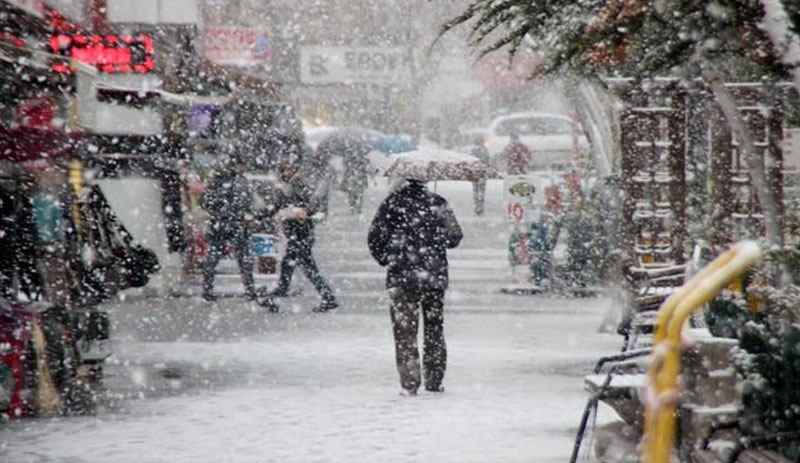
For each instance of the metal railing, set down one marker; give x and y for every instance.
(661, 390)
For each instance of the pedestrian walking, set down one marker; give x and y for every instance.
(355, 177)
(319, 174)
(228, 200)
(295, 205)
(517, 155)
(410, 235)
(479, 186)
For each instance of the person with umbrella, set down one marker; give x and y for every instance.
(410, 235)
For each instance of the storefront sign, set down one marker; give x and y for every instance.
(110, 53)
(359, 65)
(237, 46)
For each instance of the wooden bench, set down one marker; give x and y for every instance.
(621, 393)
(651, 287)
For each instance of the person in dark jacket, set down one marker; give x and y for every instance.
(410, 235)
(355, 177)
(228, 200)
(479, 186)
(295, 205)
(319, 174)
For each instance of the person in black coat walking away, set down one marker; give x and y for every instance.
(295, 204)
(410, 235)
(228, 200)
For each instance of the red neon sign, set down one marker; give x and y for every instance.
(110, 53)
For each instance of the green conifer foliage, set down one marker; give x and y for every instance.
(628, 37)
(768, 360)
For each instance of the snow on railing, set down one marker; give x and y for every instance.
(661, 388)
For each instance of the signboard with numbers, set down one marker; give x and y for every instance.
(355, 65)
(521, 199)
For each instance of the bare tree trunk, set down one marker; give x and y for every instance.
(756, 169)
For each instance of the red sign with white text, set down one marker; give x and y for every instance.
(110, 53)
(237, 46)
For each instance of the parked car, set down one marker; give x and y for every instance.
(553, 138)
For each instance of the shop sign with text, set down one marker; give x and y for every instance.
(358, 65)
(237, 46)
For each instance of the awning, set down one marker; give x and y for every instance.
(191, 99)
(179, 99)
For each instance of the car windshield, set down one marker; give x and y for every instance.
(534, 126)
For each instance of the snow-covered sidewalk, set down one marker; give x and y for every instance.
(196, 382)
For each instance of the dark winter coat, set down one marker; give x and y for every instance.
(228, 199)
(410, 235)
(296, 193)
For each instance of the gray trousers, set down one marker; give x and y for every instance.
(405, 310)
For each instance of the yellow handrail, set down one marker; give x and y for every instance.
(661, 391)
(75, 180)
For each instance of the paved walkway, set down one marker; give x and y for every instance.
(196, 382)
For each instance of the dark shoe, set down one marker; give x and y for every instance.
(209, 297)
(434, 388)
(269, 304)
(327, 305)
(250, 295)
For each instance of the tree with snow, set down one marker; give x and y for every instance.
(715, 41)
